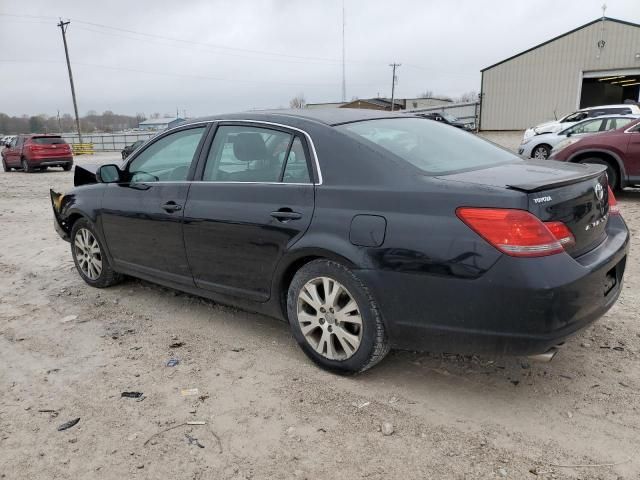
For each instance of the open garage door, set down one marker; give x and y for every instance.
(610, 87)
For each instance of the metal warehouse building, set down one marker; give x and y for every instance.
(595, 64)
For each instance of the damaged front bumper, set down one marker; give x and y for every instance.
(59, 223)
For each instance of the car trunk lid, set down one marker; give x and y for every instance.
(50, 146)
(574, 194)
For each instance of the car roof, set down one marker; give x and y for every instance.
(327, 116)
(620, 105)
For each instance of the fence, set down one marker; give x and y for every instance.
(467, 112)
(108, 142)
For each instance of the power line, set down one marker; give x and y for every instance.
(182, 75)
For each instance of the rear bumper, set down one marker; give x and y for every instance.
(50, 161)
(520, 306)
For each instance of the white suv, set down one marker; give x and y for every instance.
(583, 114)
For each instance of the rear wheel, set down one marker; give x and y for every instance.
(541, 152)
(91, 263)
(5, 167)
(335, 319)
(67, 167)
(25, 166)
(612, 173)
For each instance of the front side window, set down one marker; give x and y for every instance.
(432, 147)
(255, 154)
(586, 127)
(168, 159)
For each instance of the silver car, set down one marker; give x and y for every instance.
(540, 146)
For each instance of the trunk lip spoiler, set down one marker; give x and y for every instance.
(535, 187)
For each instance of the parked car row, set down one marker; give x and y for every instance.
(578, 116)
(36, 152)
(6, 140)
(617, 149)
(540, 146)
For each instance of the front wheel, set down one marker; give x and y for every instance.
(91, 263)
(335, 319)
(541, 152)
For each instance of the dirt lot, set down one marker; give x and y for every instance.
(68, 351)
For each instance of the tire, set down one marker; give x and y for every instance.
(43, 169)
(5, 167)
(612, 173)
(26, 168)
(67, 167)
(340, 343)
(84, 240)
(541, 152)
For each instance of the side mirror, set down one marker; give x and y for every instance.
(108, 174)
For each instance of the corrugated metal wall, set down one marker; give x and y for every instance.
(528, 89)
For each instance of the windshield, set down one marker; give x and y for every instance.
(450, 117)
(574, 117)
(432, 147)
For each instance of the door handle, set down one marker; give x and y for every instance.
(171, 207)
(284, 215)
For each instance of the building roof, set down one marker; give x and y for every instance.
(609, 19)
(379, 102)
(161, 121)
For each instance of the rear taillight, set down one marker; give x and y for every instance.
(613, 204)
(562, 233)
(517, 232)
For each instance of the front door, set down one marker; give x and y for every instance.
(141, 216)
(255, 200)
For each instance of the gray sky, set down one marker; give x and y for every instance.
(238, 55)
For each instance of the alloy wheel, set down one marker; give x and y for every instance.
(541, 153)
(329, 318)
(88, 254)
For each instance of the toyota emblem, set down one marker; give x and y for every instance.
(599, 191)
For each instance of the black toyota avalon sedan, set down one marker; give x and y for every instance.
(364, 230)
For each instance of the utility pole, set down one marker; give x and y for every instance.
(344, 81)
(393, 83)
(63, 28)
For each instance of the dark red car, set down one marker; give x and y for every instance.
(31, 152)
(618, 150)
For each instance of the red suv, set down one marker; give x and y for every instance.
(31, 152)
(618, 149)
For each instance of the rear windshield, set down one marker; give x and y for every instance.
(434, 148)
(47, 140)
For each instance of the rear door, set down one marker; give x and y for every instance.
(255, 199)
(141, 217)
(632, 160)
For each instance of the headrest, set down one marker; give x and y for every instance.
(249, 146)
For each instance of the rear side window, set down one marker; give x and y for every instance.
(255, 154)
(618, 123)
(48, 140)
(432, 147)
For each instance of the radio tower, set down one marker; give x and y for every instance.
(344, 81)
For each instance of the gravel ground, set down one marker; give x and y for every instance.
(68, 351)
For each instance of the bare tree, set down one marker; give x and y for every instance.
(298, 101)
(426, 94)
(471, 96)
